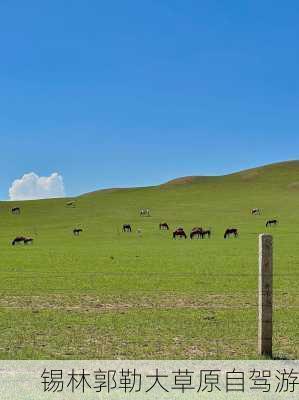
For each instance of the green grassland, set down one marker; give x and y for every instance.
(110, 295)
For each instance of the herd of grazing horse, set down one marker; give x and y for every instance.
(196, 233)
(199, 232)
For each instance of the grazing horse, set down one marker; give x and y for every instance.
(256, 211)
(22, 239)
(77, 231)
(18, 239)
(127, 228)
(71, 204)
(196, 232)
(16, 210)
(145, 213)
(205, 233)
(180, 233)
(231, 231)
(164, 226)
(271, 222)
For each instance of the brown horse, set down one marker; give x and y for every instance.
(196, 232)
(22, 239)
(18, 239)
(271, 222)
(16, 210)
(231, 231)
(205, 233)
(77, 231)
(179, 233)
(127, 228)
(164, 226)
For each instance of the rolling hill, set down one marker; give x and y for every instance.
(107, 294)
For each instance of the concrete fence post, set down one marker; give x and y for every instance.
(265, 328)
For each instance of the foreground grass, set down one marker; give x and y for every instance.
(112, 295)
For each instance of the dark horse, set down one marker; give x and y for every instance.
(164, 226)
(206, 233)
(77, 231)
(22, 239)
(18, 239)
(179, 233)
(127, 228)
(271, 222)
(231, 231)
(16, 210)
(196, 232)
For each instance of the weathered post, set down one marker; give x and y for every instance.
(265, 329)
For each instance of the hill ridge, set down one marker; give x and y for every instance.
(245, 174)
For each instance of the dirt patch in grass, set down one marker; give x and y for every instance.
(97, 304)
(214, 349)
(294, 186)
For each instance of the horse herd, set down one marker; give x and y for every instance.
(196, 233)
(199, 232)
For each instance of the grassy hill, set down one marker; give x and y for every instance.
(110, 295)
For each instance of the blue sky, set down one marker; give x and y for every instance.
(128, 93)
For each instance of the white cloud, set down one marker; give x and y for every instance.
(31, 187)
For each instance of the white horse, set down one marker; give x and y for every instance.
(256, 211)
(145, 213)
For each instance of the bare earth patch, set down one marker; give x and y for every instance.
(294, 186)
(96, 304)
